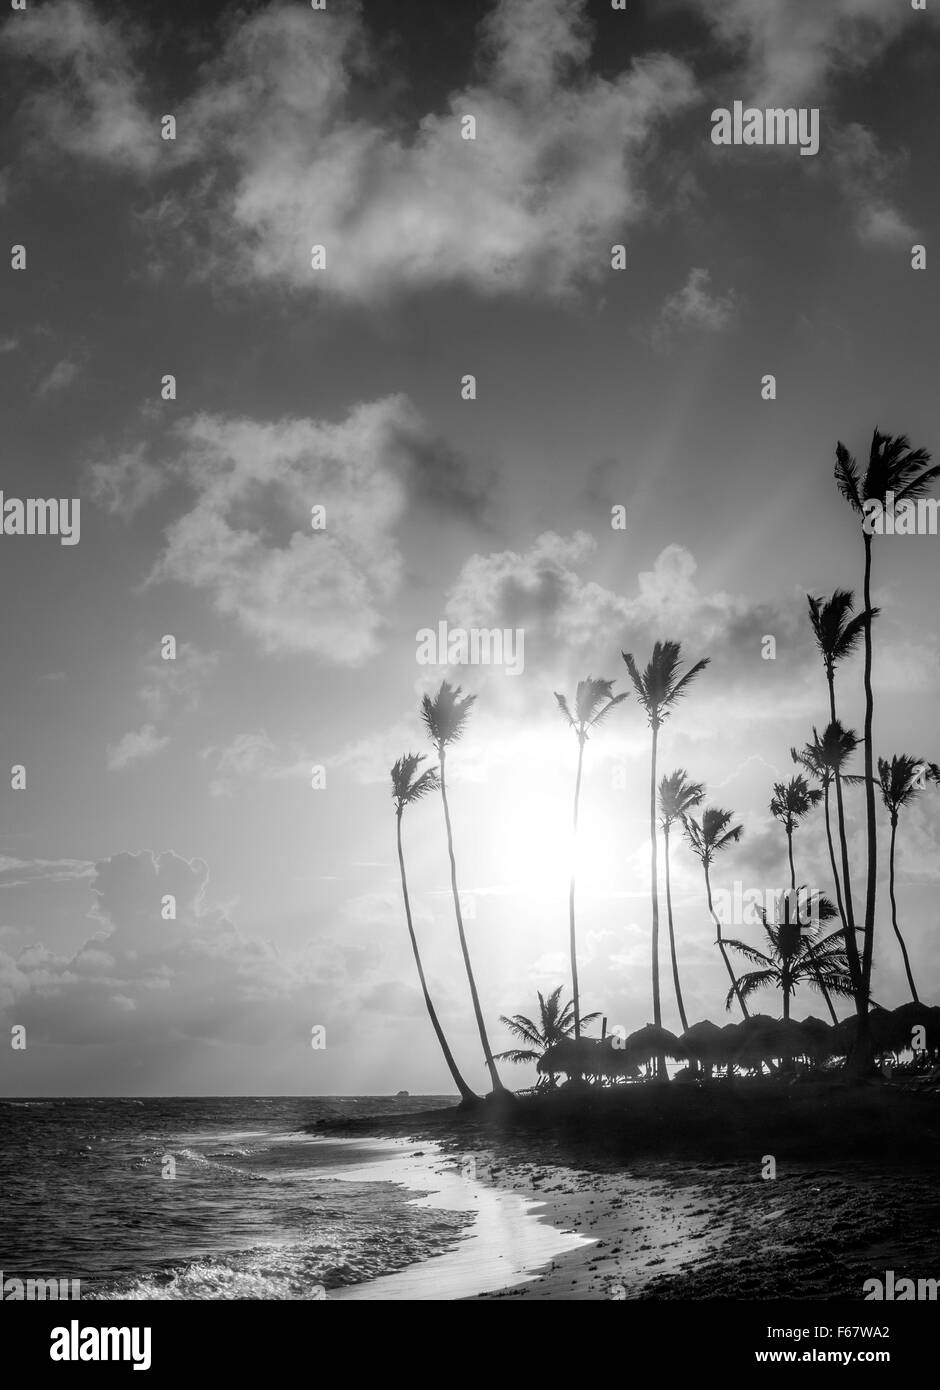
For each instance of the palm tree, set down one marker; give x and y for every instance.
(893, 466)
(838, 632)
(593, 700)
(658, 688)
(901, 780)
(677, 796)
(798, 953)
(792, 802)
(554, 1025)
(707, 837)
(445, 718)
(824, 759)
(408, 787)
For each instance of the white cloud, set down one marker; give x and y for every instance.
(89, 105)
(574, 625)
(176, 685)
(248, 540)
(865, 173)
(792, 47)
(248, 755)
(692, 308)
(281, 157)
(123, 485)
(60, 378)
(139, 743)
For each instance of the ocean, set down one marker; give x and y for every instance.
(216, 1198)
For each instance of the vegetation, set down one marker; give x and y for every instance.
(797, 951)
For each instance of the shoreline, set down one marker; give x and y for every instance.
(677, 1226)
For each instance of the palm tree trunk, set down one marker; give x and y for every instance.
(721, 946)
(672, 935)
(869, 938)
(465, 1092)
(487, 1054)
(810, 957)
(654, 890)
(840, 902)
(790, 856)
(894, 912)
(851, 941)
(572, 936)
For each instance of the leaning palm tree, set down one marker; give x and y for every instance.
(792, 802)
(707, 837)
(409, 786)
(798, 953)
(901, 780)
(677, 796)
(893, 467)
(838, 632)
(658, 688)
(445, 718)
(555, 1024)
(593, 701)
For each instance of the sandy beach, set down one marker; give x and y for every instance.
(575, 1225)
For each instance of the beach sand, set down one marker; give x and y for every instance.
(579, 1224)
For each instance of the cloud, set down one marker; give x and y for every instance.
(140, 743)
(15, 873)
(145, 976)
(86, 103)
(176, 685)
(167, 971)
(249, 541)
(9, 344)
(60, 378)
(280, 155)
(790, 48)
(691, 308)
(248, 755)
(122, 486)
(572, 624)
(865, 173)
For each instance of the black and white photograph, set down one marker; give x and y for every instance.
(471, 627)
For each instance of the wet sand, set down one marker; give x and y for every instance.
(620, 1226)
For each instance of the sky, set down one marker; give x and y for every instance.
(597, 388)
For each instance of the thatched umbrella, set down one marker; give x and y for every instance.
(888, 1034)
(731, 1039)
(650, 1042)
(764, 1038)
(818, 1035)
(576, 1057)
(913, 1015)
(615, 1064)
(704, 1041)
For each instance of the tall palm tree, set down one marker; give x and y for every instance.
(677, 797)
(893, 466)
(820, 758)
(409, 786)
(901, 780)
(593, 701)
(838, 632)
(707, 837)
(792, 802)
(555, 1024)
(445, 718)
(793, 958)
(658, 688)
